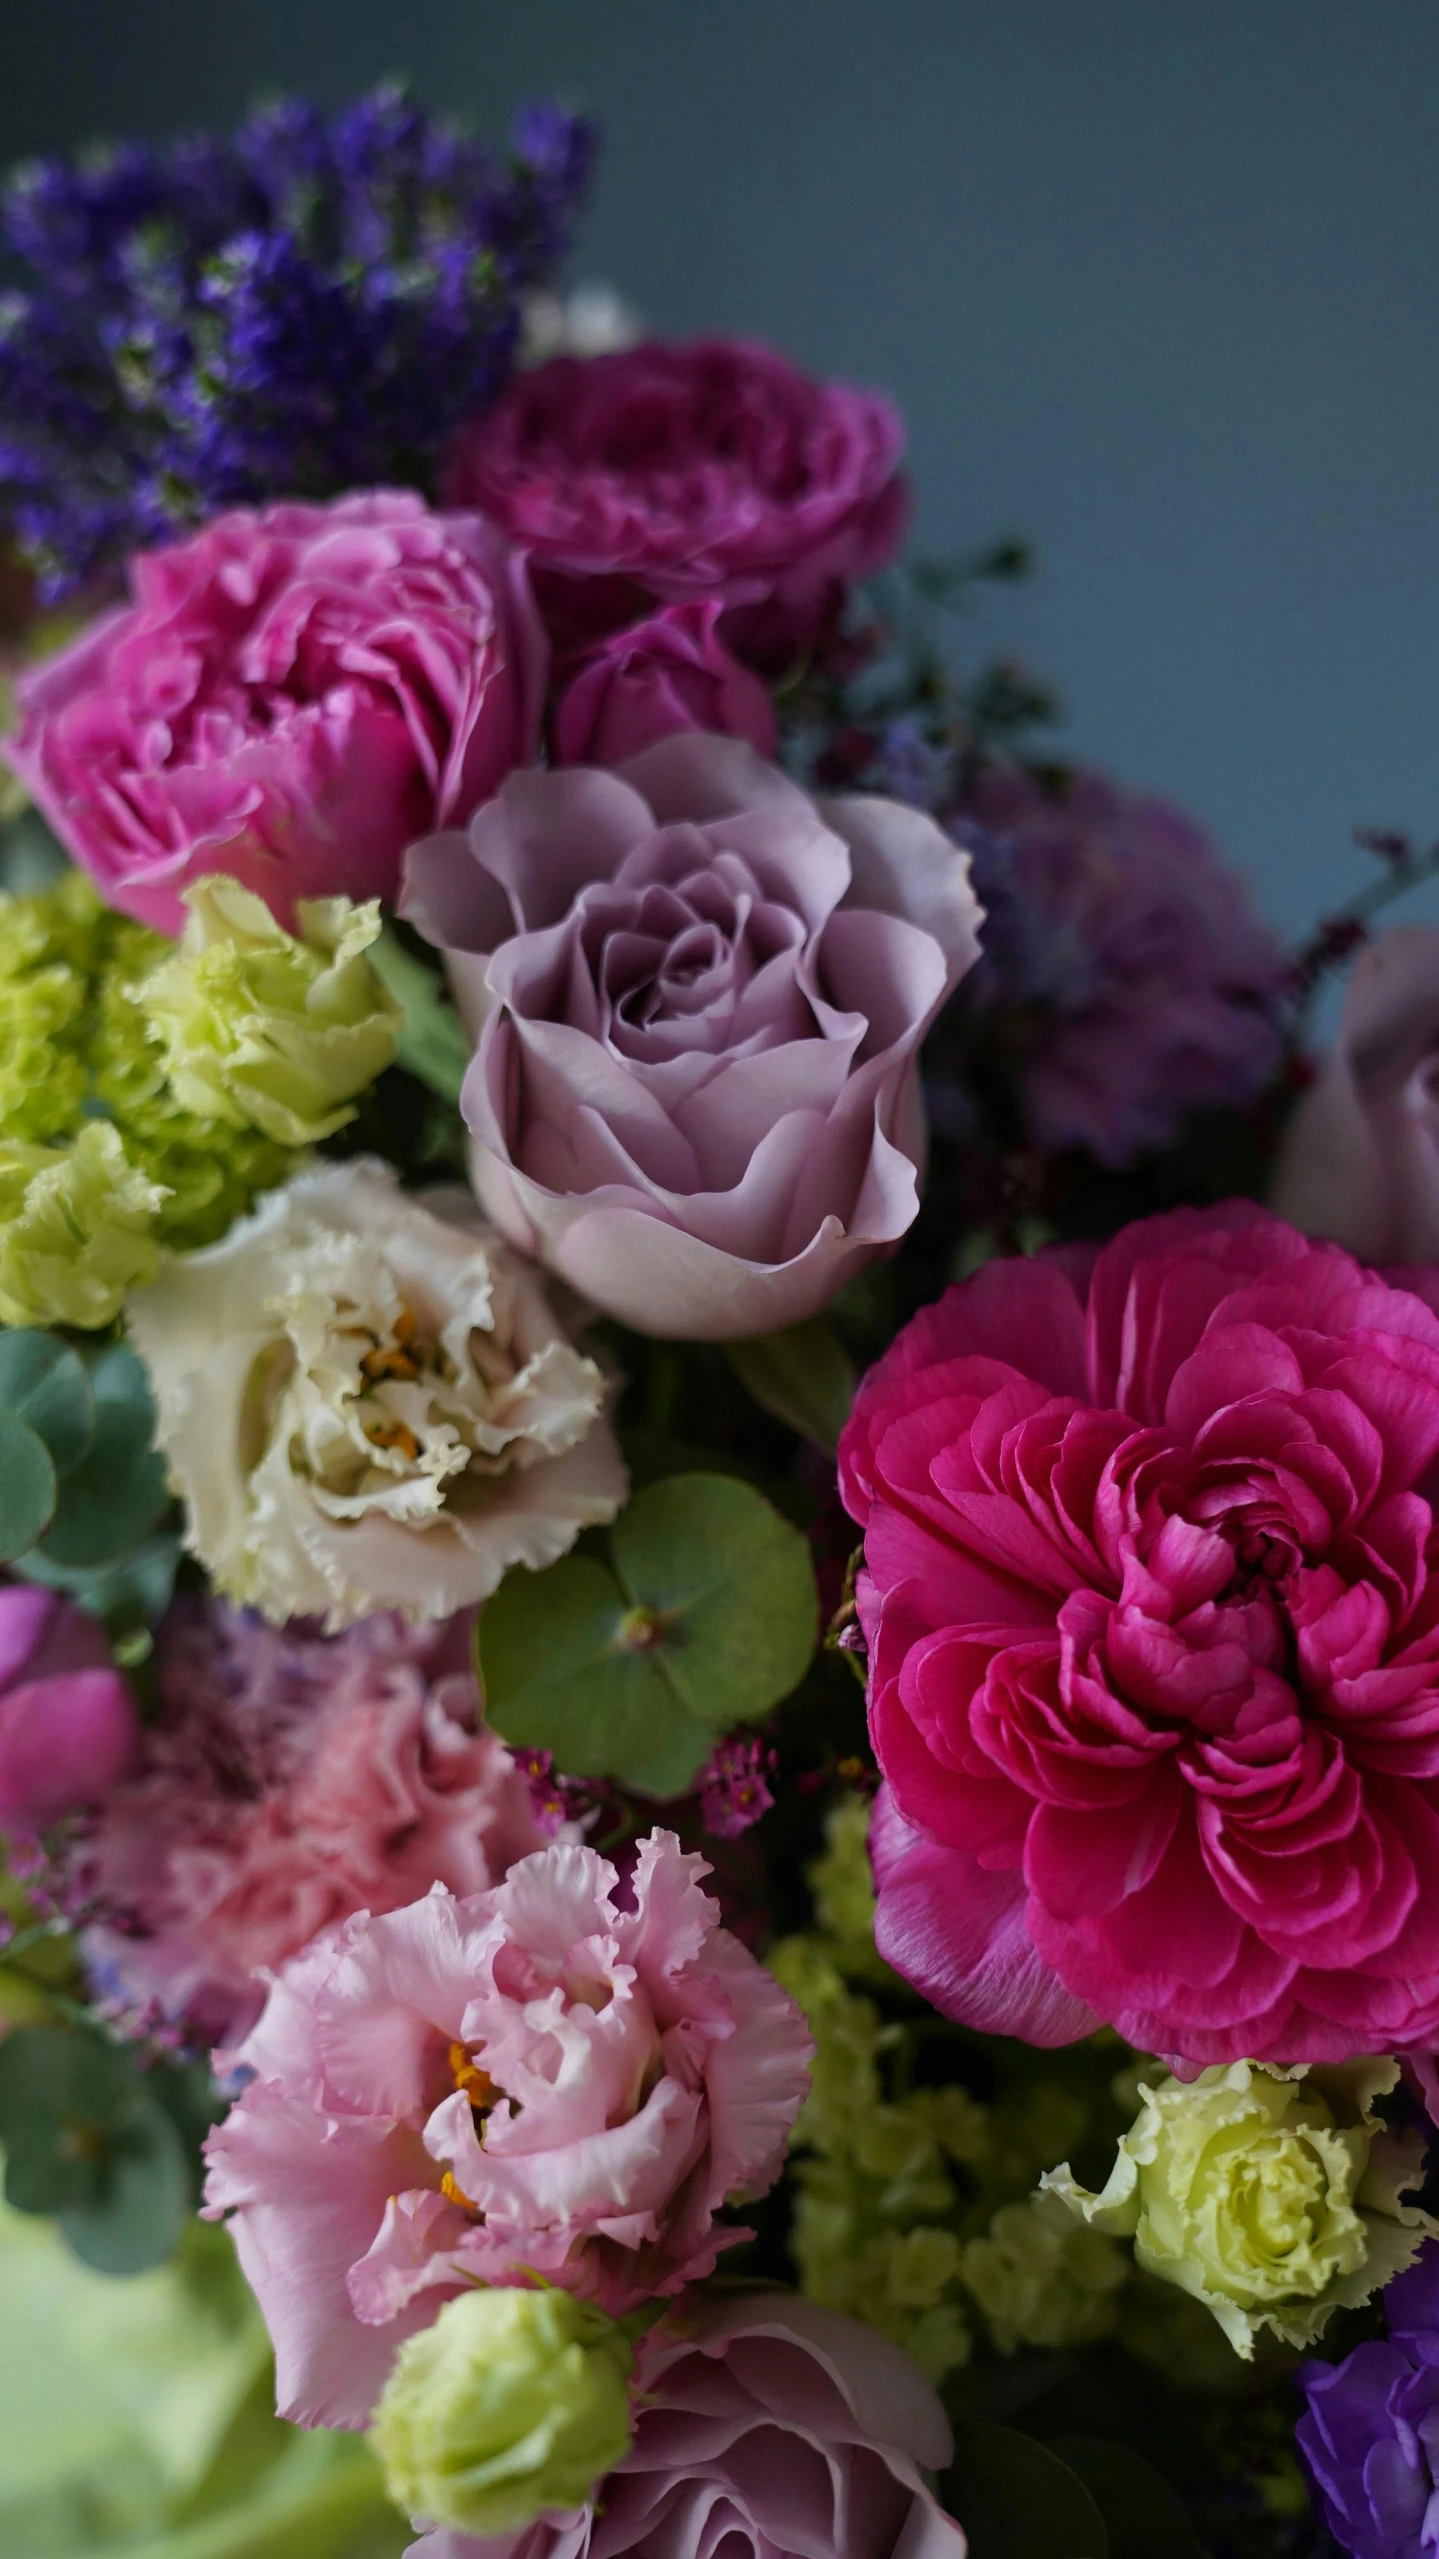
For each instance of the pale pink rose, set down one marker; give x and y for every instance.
(1360, 1161)
(767, 2428)
(68, 1722)
(717, 471)
(698, 997)
(646, 682)
(291, 695)
(560, 2077)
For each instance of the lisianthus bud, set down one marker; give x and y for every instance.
(1273, 2196)
(264, 1029)
(513, 2403)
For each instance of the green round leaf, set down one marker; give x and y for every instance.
(1018, 2500)
(708, 1620)
(28, 1490)
(804, 1376)
(1141, 2511)
(64, 2098)
(44, 1382)
(144, 2202)
(113, 1499)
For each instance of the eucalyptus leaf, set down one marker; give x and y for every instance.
(145, 2197)
(804, 1376)
(28, 1488)
(1017, 2500)
(1141, 2511)
(63, 2098)
(45, 1383)
(706, 1619)
(113, 1500)
(432, 1044)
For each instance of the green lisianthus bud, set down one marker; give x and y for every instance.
(76, 1229)
(260, 1029)
(514, 2403)
(1275, 2197)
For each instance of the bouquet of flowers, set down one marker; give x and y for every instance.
(719, 1694)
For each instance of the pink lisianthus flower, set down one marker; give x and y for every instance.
(69, 1728)
(767, 2428)
(717, 472)
(669, 673)
(551, 2078)
(288, 1780)
(698, 997)
(1151, 1594)
(290, 696)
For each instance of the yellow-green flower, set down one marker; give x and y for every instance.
(259, 1028)
(1272, 2196)
(1042, 2279)
(512, 2403)
(77, 1229)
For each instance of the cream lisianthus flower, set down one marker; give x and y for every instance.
(1275, 2197)
(366, 1402)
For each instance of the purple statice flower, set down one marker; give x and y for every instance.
(1369, 2435)
(310, 306)
(733, 1791)
(1123, 973)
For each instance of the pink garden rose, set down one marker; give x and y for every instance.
(716, 471)
(1152, 1607)
(556, 2077)
(668, 673)
(698, 997)
(768, 2428)
(289, 1779)
(68, 1722)
(290, 696)
(1361, 1156)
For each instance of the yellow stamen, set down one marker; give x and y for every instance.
(466, 2074)
(393, 1434)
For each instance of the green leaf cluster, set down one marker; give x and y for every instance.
(703, 1616)
(1075, 2497)
(89, 2140)
(82, 1487)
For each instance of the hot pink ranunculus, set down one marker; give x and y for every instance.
(716, 471)
(290, 696)
(287, 1780)
(68, 1722)
(767, 2428)
(559, 2077)
(698, 997)
(1151, 1592)
(668, 673)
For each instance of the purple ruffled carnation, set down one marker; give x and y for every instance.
(1370, 2431)
(1122, 968)
(308, 307)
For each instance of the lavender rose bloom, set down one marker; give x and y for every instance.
(291, 696)
(1370, 2432)
(716, 470)
(768, 2428)
(698, 997)
(1360, 1163)
(654, 679)
(1140, 982)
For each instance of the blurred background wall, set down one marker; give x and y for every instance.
(1155, 281)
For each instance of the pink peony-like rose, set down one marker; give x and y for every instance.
(767, 2428)
(698, 997)
(716, 471)
(646, 682)
(290, 696)
(558, 2077)
(1360, 1161)
(1151, 1598)
(289, 1779)
(68, 1722)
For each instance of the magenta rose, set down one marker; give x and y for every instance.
(1360, 1161)
(69, 1728)
(1152, 1607)
(716, 471)
(669, 673)
(564, 2077)
(698, 997)
(767, 2428)
(291, 696)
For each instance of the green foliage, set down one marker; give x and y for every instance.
(28, 1489)
(1142, 2514)
(114, 1497)
(82, 1489)
(704, 1617)
(88, 2140)
(1016, 2500)
(804, 1376)
(432, 1044)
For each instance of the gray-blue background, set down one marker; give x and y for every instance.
(1155, 281)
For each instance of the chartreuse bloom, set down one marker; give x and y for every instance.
(1273, 2196)
(1040, 2279)
(148, 1094)
(514, 2402)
